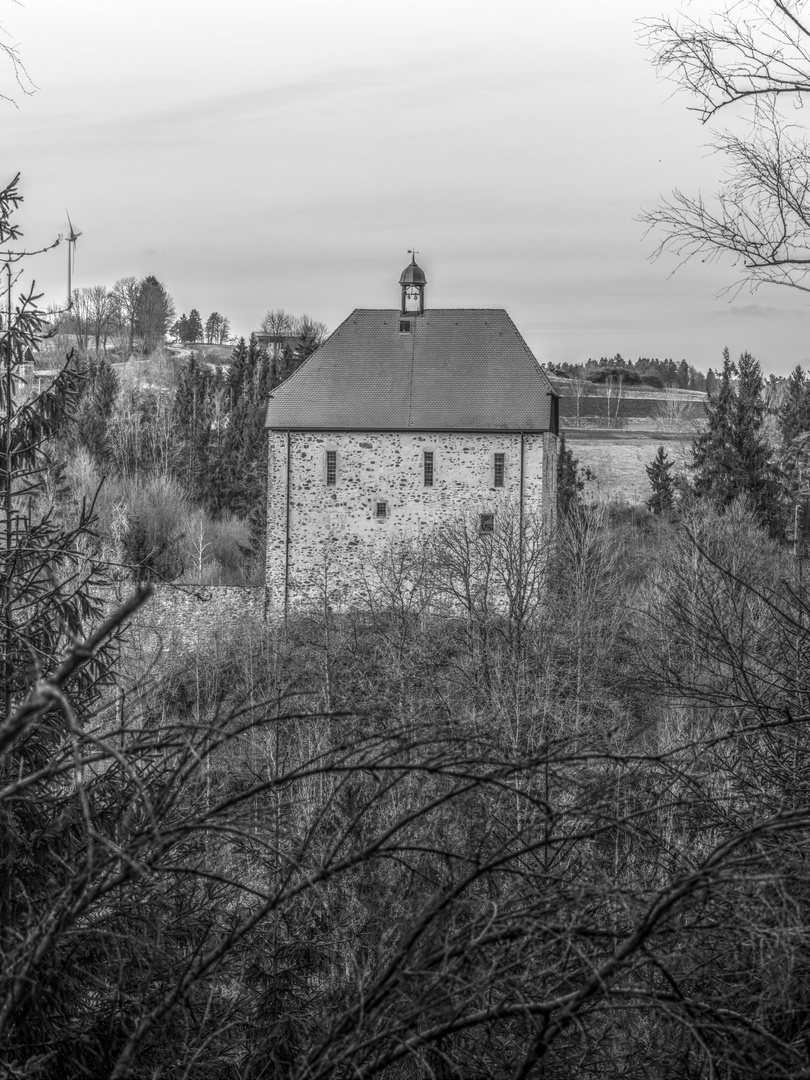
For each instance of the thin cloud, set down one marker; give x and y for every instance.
(758, 311)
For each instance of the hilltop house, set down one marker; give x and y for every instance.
(403, 418)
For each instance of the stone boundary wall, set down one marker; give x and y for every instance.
(180, 617)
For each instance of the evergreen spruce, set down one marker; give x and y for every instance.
(194, 328)
(713, 461)
(663, 485)
(793, 414)
(242, 465)
(154, 313)
(95, 412)
(731, 457)
(570, 480)
(193, 415)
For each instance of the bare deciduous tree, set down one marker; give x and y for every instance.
(11, 54)
(102, 312)
(126, 292)
(80, 318)
(755, 53)
(277, 321)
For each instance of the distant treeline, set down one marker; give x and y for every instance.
(645, 371)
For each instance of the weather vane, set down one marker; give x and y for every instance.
(73, 236)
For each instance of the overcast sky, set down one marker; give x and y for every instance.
(265, 154)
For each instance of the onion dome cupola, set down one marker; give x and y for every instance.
(413, 281)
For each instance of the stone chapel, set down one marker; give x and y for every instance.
(403, 418)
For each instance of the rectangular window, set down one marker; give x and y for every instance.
(404, 326)
(331, 468)
(487, 523)
(500, 461)
(428, 468)
(382, 510)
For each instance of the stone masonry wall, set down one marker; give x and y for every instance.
(334, 531)
(178, 617)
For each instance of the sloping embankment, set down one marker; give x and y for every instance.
(616, 435)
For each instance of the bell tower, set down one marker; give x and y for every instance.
(413, 281)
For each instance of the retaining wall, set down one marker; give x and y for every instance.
(179, 617)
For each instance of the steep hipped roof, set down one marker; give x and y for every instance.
(459, 369)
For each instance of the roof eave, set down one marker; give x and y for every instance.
(412, 431)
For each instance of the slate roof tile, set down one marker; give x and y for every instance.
(460, 369)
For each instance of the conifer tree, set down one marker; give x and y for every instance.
(154, 313)
(242, 466)
(194, 329)
(794, 412)
(193, 414)
(731, 457)
(712, 450)
(180, 328)
(99, 397)
(663, 485)
(570, 481)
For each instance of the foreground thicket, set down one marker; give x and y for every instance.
(564, 839)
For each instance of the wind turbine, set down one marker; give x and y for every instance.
(73, 236)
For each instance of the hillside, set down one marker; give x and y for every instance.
(616, 435)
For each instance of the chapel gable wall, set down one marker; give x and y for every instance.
(333, 532)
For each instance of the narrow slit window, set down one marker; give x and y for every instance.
(382, 510)
(428, 468)
(500, 465)
(487, 523)
(331, 468)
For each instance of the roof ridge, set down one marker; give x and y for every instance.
(428, 310)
